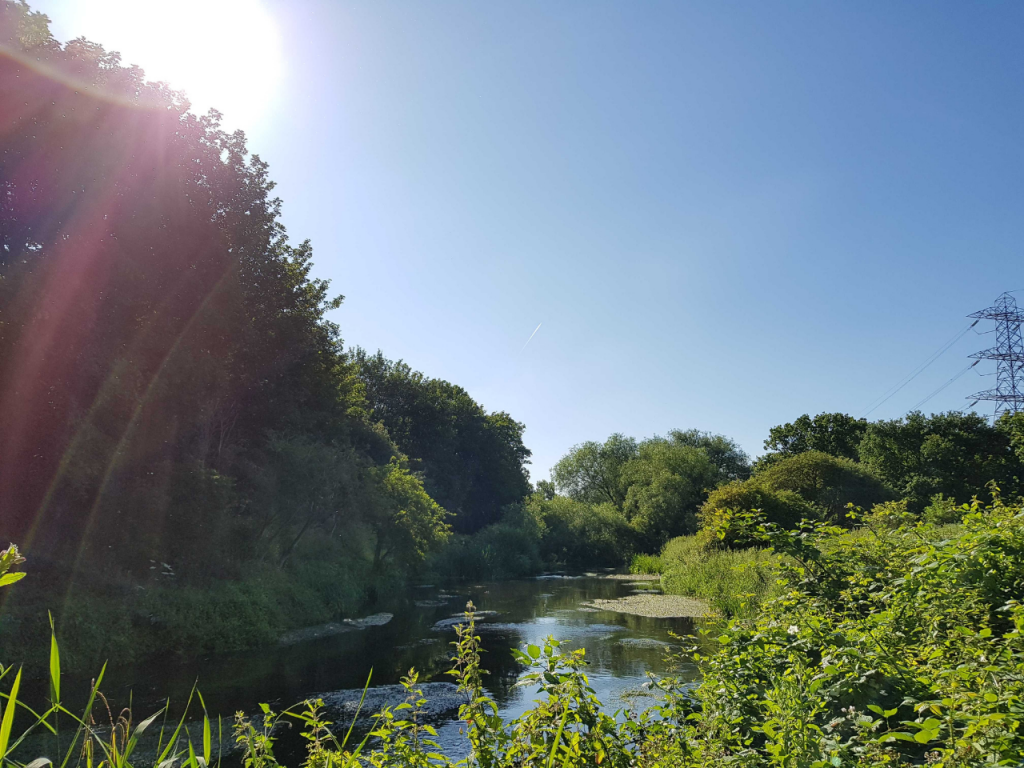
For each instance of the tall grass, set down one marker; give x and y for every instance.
(734, 582)
(646, 564)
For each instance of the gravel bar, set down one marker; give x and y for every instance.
(655, 606)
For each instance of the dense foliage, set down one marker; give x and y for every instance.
(882, 647)
(177, 409)
(655, 485)
(836, 434)
(473, 462)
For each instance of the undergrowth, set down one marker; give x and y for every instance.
(883, 647)
(734, 582)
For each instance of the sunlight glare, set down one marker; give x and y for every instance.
(224, 54)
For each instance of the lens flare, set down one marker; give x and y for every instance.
(224, 54)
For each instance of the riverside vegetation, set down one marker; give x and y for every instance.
(894, 646)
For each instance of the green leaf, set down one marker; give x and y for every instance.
(207, 739)
(876, 709)
(534, 651)
(54, 666)
(8, 719)
(10, 578)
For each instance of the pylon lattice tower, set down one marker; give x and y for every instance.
(1008, 353)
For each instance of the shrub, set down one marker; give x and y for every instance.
(828, 482)
(785, 508)
(646, 564)
(734, 582)
(581, 535)
(501, 551)
(890, 514)
(944, 510)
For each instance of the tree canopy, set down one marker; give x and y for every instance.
(836, 434)
(473, 462)
(171, 385)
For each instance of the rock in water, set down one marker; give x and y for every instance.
(376, 620)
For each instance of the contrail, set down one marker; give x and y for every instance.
(531, 337)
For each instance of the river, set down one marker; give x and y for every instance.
(622, 650)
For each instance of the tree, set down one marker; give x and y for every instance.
(808, 485)
(473, 462)
(407, 523)
(826, 481)
(1012, 426)
(836, 434)
(580, 534)
(667, 482)
(731, 460)
(170, 384)
(719, 513)
(954, 453)
(592, 472)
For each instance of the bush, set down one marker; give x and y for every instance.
(734, 582)
(500, 551)
(828, 482)
(785, 508)
(943, 510)
(807, 486)
(890, 514)
(581, 535)
(646, 564)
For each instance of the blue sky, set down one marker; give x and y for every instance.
(723, 214)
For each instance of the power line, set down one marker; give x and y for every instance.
(885, 398)
(933, 394)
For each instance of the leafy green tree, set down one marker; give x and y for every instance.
(836, 434)
(579, 534)
(719, 515)
(473, 462)
(407, 524)
(667, 482)
(546, 489)
(1012, 426)
(592, 472)
(810, 485)
(955, 454)
(828, 482)
(731, 460)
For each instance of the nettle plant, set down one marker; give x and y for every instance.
(890, 647)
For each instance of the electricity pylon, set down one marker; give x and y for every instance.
(1008, 353)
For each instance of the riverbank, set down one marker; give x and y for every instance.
(122, 623)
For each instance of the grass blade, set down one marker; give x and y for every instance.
(54, 666)
(8, 719)
(361, 699)
(206, 730)
(174, 736)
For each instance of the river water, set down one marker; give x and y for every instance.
(622, 649)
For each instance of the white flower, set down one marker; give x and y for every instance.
(793, 629)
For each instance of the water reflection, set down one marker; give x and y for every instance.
(622, 649)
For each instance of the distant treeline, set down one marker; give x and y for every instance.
(608, 501)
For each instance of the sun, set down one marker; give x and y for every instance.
(224, 54)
